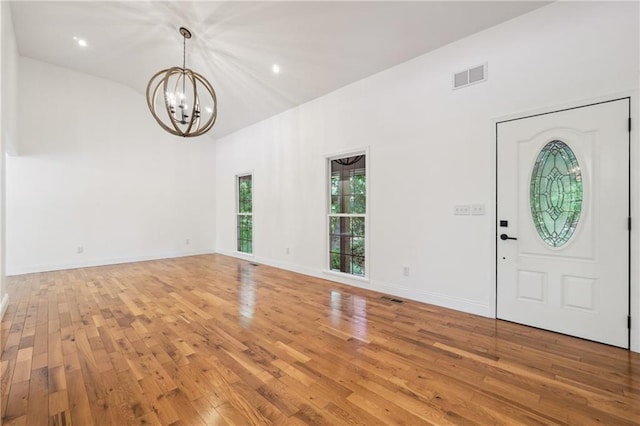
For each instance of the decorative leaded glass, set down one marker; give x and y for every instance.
(556, 193)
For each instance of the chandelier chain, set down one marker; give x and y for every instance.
(184, 62)
(184, 51)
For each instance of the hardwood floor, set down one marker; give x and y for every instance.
(214, 340)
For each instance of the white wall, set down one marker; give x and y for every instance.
(9, 82)
(8, 125)
(430, 148)
(96, 171)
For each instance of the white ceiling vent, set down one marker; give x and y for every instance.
(470, 76)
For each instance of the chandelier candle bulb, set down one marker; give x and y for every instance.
(186, 89)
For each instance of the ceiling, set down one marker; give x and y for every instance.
(319, 46)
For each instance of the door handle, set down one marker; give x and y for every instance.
(505, 237)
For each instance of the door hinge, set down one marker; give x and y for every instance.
(629, 124)
(629, 322)
(629, 223)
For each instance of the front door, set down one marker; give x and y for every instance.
(563, 221)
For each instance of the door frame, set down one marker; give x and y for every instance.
(634, 195)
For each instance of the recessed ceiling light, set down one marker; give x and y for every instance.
(275, 68)
(81, 42)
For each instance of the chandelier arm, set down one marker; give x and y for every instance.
(214, 114)
(164, 126)
(195, 94)
(171, 117)
(197, 111)
(150, 98)
(180, 78)
(151, 101)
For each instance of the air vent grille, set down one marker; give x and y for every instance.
(391, 299)
(470, 76)
(461, 79)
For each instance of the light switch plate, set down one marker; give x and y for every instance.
(477, 209)
(462, 210)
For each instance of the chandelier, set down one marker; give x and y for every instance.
(182, 101)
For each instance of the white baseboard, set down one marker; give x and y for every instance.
(443, 300)
(438, 299)
(270, 262)
(5, 304)
(29, 269)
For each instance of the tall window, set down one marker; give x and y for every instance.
(347, 215)
(245, 214)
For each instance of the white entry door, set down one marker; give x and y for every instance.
(563, 221)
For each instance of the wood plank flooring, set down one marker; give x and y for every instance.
(209, 340)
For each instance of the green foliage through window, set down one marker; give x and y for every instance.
(245, 233)
(244, 230)
(347, 244)
(245, 202)
(347, 215)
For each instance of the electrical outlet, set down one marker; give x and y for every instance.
(187, 241)
(80, 249)
(405, 271)
(462, 210)
(286, 250)
(477, 209)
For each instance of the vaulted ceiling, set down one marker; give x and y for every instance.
(318, 46)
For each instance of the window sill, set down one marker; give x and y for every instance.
(364, 279)
(243, 254)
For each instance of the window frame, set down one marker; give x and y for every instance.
(238, 214)
(367, 217)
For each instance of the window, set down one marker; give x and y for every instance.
(556, 193)
(245, 214)
(348, 215)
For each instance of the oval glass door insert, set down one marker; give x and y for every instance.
(556, 193)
